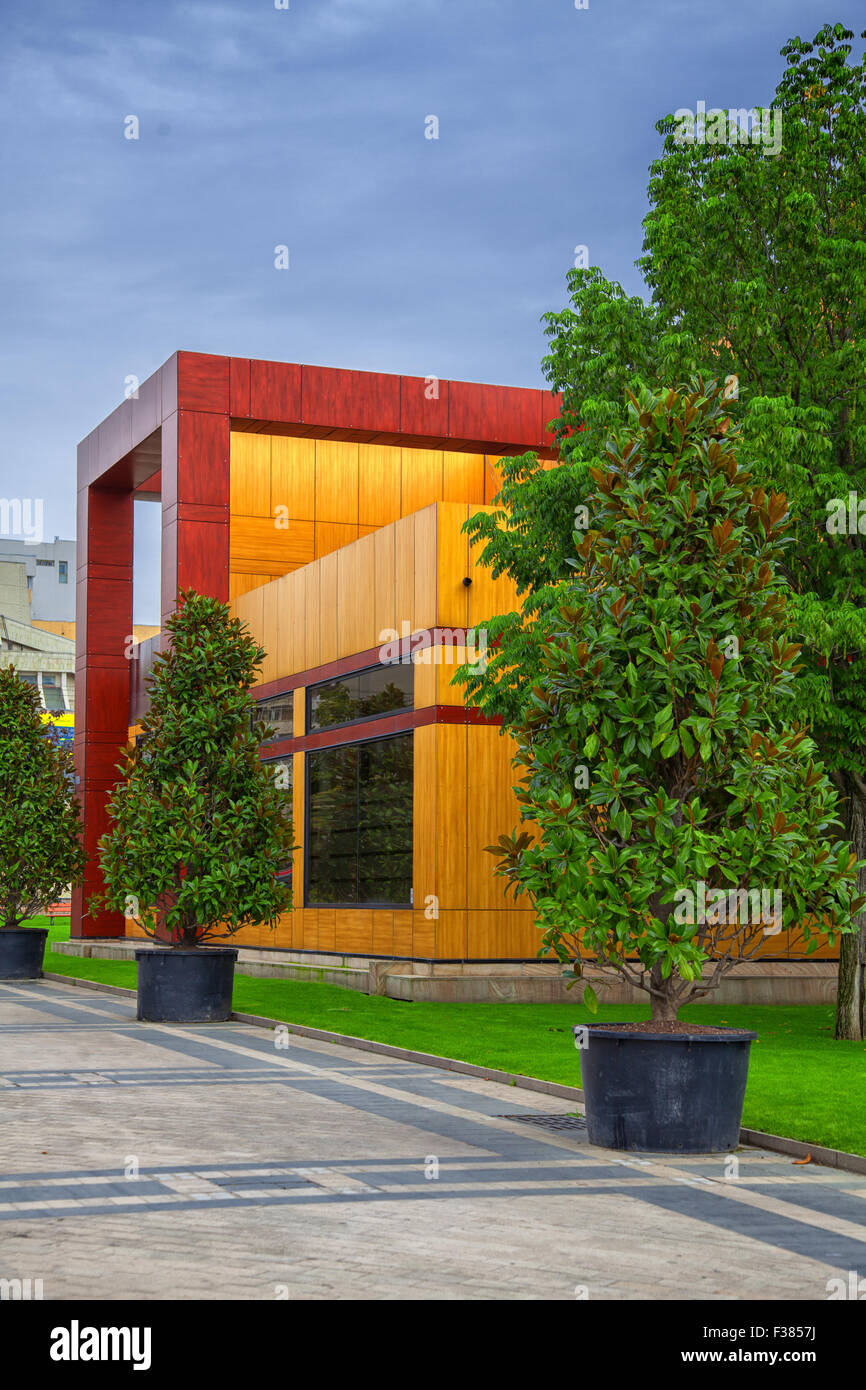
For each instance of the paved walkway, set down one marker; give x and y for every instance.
(146, 1161)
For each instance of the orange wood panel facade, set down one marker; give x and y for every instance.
(294, 500)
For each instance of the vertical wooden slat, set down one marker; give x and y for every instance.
(379, 484)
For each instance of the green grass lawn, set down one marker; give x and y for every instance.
(801, 1083)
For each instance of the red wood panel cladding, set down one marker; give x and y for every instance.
(239, 386)
(424, 407)
(351, 400)
(202, 382)
(195, 505)
(103, 627)
(493, 413)
(275, 391)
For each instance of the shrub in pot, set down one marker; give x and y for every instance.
(40, 826)
(200, 827)
(674, 822)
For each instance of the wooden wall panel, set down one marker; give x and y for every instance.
(446, 693)
(403, 933)
(383, 933)
(492, 476)
(288, 590)
(463, 478)
(379, 479)
(426, 673)
(273, 617)
(495, 812)
(354, 930)
(508, 935)
(243, 583)
(327, 932)
(308, 633)
(328, 612)
(310, 927)
(451, 936)
(249, 608)
(299, 724)
(336, 481)
(404, 573)
(423, 936)
(250, 475)
(256, 542)
(332, 535)
(355, 581)
(451, 815)
(293, 476)
(422, 481)
(452, 566)
(384, 583)
(424, 606)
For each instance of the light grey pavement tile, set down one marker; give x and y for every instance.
(304, 1169)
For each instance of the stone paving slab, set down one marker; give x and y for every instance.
(155, 1162)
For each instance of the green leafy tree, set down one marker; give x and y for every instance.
(756, 266)
(200, 827)
(674, 819)
(40, 824)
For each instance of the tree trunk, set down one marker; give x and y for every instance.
(850, 1003)
(664, 1009)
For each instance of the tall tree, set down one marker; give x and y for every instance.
(200, 828)
(40, 825)
(756, 264)
(675, 818)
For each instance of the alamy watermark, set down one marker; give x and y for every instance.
(720, 907)
(758, 125)
(23, 517)
(435, 646)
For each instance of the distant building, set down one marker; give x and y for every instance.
(49, 570)
(41, 658)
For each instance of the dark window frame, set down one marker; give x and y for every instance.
(363, 718)
(256, 717)
(333, 748)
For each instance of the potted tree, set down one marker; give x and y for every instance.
(200, 827)
(40, 826)
(673, 820)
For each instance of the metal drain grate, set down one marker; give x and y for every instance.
(566, 1122)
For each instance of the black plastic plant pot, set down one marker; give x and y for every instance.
(674, 1093)
(21, 952)
(185, 986)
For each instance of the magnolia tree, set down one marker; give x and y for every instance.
(754, 264)
(675, 821)
(200, 827)
(40, 826)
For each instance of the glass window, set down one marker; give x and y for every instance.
(46, 564)
(359, 823)
(281, 769)
(277, 712)
(28, 676)
(62, 572)
(53, 698)
(364, 695)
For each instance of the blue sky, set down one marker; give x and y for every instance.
(305, 127)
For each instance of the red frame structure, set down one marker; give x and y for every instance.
(172, 441)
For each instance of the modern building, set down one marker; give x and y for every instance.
(49, 568)
(43, 659)
(327, 506)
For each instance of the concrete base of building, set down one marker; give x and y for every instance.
(504, 982)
